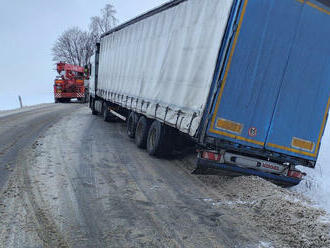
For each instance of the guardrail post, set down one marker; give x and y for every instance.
(20, 101)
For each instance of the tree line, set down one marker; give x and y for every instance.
(76, 46)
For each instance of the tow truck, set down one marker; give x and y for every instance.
(70, 83)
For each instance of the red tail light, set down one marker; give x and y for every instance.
(296, 174)
(211, 155)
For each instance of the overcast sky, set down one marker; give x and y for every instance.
(28, 31)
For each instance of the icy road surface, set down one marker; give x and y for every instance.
(80, 182)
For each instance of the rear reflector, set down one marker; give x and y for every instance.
(211, 156)
(302, 144)
(295, 174)
(229, 126)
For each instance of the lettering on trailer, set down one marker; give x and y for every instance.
(271, 166)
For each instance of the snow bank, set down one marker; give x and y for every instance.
(4, 113)
(286, 218)
(317, 184)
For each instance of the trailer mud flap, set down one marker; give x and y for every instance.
(206, 167)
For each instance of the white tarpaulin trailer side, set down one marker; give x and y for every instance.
(163, 65)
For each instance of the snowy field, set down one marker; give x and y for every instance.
(4, 113)
(9, 101)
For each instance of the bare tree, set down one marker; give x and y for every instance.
(74, 46)
(103, 23)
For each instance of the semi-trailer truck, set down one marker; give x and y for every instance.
(247, 80)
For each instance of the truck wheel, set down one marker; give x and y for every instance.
(141, 132)
(158, 142)
(94, 112)
(131, 124)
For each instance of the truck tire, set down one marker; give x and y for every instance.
(94, 112)
(158, 141)
(141, 132)
(131, 124)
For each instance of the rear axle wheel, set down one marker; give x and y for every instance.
(131, 124)
(159, 140)
(141, 132)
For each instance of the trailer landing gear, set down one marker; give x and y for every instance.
(107, 115)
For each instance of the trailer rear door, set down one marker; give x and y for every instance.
(275, 86)
(302, 106)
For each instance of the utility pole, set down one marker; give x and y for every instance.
(20, 101)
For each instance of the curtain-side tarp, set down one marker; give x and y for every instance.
(163, 65)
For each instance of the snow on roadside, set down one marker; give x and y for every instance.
(4, 113)
(316, 185)
(287, 218)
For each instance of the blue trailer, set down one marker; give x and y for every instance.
(264, 109)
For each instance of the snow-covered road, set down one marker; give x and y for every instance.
(83, 183)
